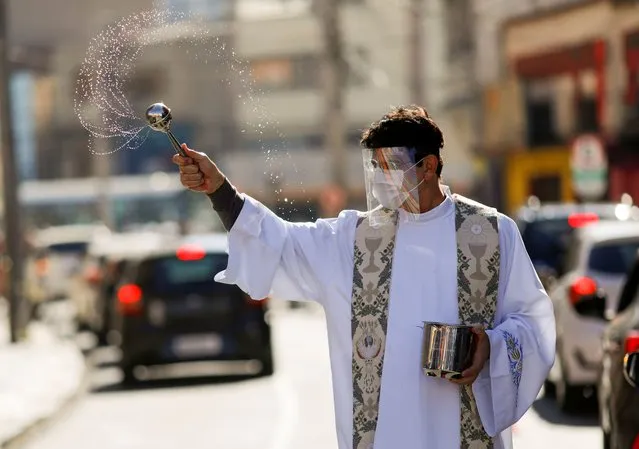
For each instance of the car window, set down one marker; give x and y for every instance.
(630, 291)
(571, 256)
(172, 276)
(545, 241)
(68, 248)
(613, 258)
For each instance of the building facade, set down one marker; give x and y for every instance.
(249, 91)
(565, 71)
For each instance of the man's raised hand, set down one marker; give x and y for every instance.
(198, 172)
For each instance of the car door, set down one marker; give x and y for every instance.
(611, 385)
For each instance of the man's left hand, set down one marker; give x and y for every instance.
(482, 353)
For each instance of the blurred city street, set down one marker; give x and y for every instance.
(37, 376)
(135, 312)
(289, 410)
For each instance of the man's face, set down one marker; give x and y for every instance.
(391, 163)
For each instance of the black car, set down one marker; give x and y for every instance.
(170, 309)
(546, 230)
(107, 258)
(617, 393)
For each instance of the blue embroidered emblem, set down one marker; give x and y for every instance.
(515, 357)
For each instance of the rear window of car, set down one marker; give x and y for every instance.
(544, 240)
(68, 248)
(548, 239)
(613, 258)
(170, 275)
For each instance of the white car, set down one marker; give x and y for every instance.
(60, 250)
(599, 258)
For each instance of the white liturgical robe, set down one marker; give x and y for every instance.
(314, 261)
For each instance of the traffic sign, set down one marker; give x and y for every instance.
(589, 166)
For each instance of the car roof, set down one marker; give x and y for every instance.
(606, 230)
(69, 234)
(128, 245)
(563, 210)
(210, 243)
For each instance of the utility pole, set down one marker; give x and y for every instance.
(102, 174)
(334, 82)
(12, 234)
(416, 52)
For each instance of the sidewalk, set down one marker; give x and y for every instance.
(37, 377)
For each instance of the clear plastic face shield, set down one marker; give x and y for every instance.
(392, 177)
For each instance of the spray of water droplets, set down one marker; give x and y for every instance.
(101, 102)
(104, 109)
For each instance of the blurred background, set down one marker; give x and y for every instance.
(539, 104)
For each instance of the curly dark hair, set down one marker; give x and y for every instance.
(406, 126)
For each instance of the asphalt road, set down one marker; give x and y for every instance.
(292, 409)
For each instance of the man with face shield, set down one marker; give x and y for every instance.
(418, 254)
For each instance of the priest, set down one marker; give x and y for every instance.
(419, 253)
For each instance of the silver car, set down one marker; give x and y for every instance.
(594, 270)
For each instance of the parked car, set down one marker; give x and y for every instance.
(618, 395)
(599, 258)
(546, 230)
(170, 309)
(56, 260)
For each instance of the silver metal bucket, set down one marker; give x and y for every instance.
(447, 350)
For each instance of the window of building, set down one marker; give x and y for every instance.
(145, 84)
(298, 142)
(358, 66)
(272, 73)
(459, 23)
(208, 9)
(305, 71)
(286, 73)
(540, 114)
(587, 120)
(81, 82)
(546, 188)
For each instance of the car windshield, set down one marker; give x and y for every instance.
(545, 241)
(68, 248)
(170, 276)
(613, 258)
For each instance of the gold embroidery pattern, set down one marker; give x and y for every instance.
(477, 284)
(369, 318)
(478, 277)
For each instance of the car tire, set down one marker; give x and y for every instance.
(569, 397)
(102, 338)
(606, 440)
(268, 367)
(128, 375)
(550, 390)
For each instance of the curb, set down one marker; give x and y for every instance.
(38, 426)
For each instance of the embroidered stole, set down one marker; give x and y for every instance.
(477, 284)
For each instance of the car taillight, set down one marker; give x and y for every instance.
(255, 302)
(129, 299)
(635, 444)
(632, 342)
(583, 286)
(190, 252)
(582, 219)
(93, 275)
